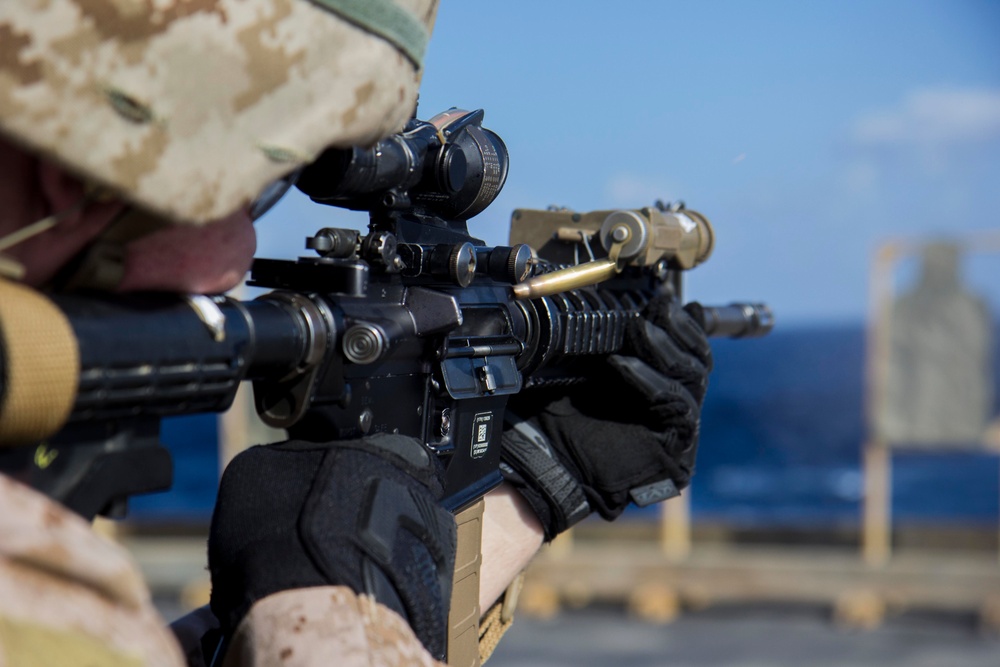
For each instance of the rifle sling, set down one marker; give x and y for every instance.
(498, 620)
(41, 369)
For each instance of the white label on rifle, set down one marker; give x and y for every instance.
(687, 223)
(482, 424)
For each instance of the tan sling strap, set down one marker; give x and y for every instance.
(41, 365)
(497, 621)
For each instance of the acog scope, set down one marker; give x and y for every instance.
(450, 166)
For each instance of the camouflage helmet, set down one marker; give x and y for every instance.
(190, 108)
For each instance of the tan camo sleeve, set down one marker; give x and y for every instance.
(68, 596)
(329, 625)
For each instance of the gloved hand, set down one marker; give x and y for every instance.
(628, 434)
(358, 513)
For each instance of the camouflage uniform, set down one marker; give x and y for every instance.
(327, 625)
(69, 597)
(188, 109)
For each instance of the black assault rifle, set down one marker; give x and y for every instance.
(416, 327)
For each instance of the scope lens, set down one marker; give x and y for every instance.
(448, 168)
(486, 173)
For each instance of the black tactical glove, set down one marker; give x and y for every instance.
(630, 433)
(359, 513)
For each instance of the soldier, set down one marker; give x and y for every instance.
(135, 137)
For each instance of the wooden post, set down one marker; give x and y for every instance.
(234, 426)
(675, 528)
(876, 505)
(562, 545)
(107, 528)
(876, 541)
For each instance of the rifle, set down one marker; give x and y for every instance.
(415, 327)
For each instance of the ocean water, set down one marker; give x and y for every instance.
(193, 443)
(782, 430)
(780, 447)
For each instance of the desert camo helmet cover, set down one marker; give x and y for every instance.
(190, 108)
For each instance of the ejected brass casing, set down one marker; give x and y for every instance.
(563, 280)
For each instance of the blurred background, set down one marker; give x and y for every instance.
(830, 144)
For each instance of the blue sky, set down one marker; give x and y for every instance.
(806, 132)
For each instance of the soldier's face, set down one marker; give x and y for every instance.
(206, 259)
